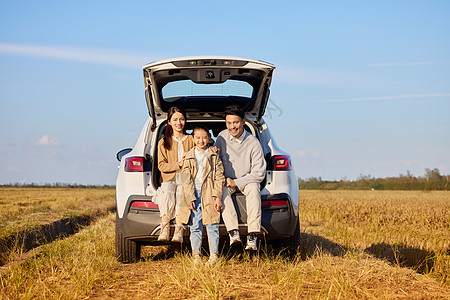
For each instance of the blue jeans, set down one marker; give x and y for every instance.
(196, 228)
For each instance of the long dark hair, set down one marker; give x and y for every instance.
(169, 131)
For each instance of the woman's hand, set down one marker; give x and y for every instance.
(181, 163)
(192, 205)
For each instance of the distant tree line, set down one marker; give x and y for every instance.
(432, 180)
(57, 185)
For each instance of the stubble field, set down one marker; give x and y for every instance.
(355, 244)
(24, 208)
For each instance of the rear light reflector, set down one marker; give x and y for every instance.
(270, 203)
(144, 204)
(281, 163)
(134, 164)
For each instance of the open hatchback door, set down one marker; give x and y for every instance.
(207, 84)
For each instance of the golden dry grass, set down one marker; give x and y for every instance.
(412, 224)
(83, 266)
(358, 219)
(25, 208)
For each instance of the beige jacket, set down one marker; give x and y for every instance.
(168, 159)
(212, 184)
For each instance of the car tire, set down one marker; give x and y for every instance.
(293, 243)
(289, 246)
(127, 251)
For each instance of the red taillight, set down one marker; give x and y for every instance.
(134, 164)
(281, 163)
(270, 203)
(145, 204)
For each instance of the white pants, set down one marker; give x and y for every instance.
(168, 198)
(253, 203)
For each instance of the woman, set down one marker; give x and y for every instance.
(171, 150)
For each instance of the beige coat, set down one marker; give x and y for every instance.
(168, 159)
(212, 184)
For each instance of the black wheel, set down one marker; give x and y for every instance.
(289, 246)
(127, 251)
(293, 243)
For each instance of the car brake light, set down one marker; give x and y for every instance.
(281, 163)
(134, 164)
(270, 203)
(145, 204)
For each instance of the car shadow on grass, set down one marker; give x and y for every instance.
(163, 252)
(310, 244)
(419, 260)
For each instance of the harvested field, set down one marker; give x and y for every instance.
(335, 262)
(32, 216)
(408, 228)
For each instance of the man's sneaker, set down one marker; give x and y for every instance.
(164, 232)
(213, 259)
(251, 242)
(234, 237)
(178, 234)
(197, 259)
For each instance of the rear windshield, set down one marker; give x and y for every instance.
(187, 88)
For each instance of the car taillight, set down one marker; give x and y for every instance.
(134, 164)
(273, 203)
(281, 163)
(144, 204)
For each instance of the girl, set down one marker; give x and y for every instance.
(171, 150)
(203, 182)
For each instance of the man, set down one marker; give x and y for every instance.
(244, 169)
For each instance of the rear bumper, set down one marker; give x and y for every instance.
(277, 221)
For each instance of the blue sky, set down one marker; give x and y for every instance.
(360, 88)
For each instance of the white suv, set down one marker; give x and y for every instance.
(204, 86)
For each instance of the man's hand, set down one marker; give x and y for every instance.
(230, 183)
(218, 205)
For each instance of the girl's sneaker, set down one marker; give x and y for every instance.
(213, 259)
(197, 259)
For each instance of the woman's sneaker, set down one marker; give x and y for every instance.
(178, 234)
(234, 237)
(251, 242)
(164, 232)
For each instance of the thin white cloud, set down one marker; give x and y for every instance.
(398, 163)
(48, 140)
(100, 56)
(394, 64)
(383, 98)
(313, 77)
(307, 153)
(14, 168)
